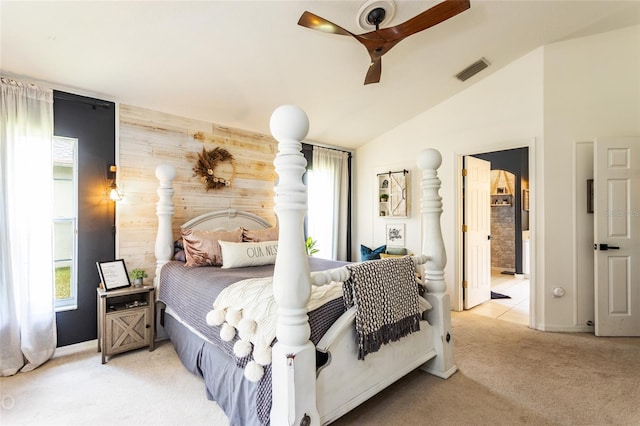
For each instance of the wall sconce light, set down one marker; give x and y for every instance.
(113, 192)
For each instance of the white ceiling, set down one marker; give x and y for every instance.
(234, 62)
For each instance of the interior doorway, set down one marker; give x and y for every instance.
(509, 204)
(513, 308)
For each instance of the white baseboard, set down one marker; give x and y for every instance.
(75, 348)
(566, 328)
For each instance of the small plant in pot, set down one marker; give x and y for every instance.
(138, 275)
(384, 197)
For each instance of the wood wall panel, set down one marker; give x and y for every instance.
(149, 138)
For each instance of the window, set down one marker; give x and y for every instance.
(65, 222)
(328, 220)
(320, 212)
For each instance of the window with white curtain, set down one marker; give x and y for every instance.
(327, 218)
(320, 213)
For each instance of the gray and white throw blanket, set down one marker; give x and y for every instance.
(385, 293)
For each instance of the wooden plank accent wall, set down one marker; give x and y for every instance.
(149, 138)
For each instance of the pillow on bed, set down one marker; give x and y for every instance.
(396, 251)
(178, 251)
(202, 247)
(180, 256)
(370, 254)
(239, 255)
(259, 235)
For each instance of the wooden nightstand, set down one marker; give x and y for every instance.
(125, 320)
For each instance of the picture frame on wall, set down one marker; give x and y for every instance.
(395, 234)
(113, 274)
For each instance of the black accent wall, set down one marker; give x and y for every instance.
(515, 161)
(93, 123)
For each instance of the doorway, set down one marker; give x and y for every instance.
(513, 308)
(509, 204)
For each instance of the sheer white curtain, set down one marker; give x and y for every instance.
(328, 202)
(27, 315)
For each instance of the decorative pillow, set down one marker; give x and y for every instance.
(178, 251)
(180, 256)
(259, 235)
(388, 256)
(396, 250)
(202, 248)
(370, 254)
(239, 255)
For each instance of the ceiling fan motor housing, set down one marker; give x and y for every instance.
(375, 13)
(376, 16)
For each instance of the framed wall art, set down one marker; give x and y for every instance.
(395, 235)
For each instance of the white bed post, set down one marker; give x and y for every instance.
(164, 239)
(293, 356)
(439, 317)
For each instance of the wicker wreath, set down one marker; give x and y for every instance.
(206, 165)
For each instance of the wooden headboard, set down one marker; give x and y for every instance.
(226, 219)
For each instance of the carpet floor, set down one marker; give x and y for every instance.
(136, 388)
(508, 375)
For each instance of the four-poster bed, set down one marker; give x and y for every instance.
(313, 375)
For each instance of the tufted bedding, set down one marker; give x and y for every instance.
(189, 293)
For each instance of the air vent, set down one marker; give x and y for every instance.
(472, 70)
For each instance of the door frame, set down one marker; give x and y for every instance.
(456, 298)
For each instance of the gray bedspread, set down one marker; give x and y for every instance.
(190, 293)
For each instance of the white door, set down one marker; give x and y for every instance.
(617, 236)
(477, 232)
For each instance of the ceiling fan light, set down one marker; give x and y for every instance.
(472, 69)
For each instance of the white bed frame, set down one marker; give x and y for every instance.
(302, 395)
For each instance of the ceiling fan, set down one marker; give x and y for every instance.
(380, 41)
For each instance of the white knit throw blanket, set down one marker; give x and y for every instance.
(249, 309)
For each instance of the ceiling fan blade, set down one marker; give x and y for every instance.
(374, 72)
(427, 19)
(315, 22)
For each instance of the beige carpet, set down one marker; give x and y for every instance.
(508, 375)
(511, 375)
(136, 388)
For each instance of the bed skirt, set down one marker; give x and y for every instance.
(224, 381)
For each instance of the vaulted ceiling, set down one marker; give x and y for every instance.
(234, 62)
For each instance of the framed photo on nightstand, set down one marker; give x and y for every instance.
(113, 274)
